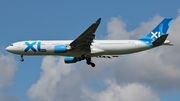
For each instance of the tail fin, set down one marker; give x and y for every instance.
(158, 32)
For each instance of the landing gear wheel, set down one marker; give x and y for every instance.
(22, 60)
(93, 65)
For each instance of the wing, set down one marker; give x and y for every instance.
(84, 41)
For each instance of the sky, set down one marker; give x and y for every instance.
(152, 75)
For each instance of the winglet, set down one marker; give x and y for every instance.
(98, 21)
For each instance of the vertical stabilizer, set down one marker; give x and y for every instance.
(158, 31)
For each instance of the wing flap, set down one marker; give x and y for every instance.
(107, 56)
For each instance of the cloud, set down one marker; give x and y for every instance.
(115, 92)
(53, 69)
(4, 97)
(8, 67)
(59, 82)
(114, 27)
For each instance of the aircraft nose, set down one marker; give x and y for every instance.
(12, 49)
(7, 49)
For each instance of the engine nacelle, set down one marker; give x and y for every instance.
(61, 49)
(69, 59)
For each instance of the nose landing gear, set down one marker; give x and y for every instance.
(22, 59)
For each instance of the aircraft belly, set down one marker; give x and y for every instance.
(119, 49)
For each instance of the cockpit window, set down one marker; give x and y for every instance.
(11, 44)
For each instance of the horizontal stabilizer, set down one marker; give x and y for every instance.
(169, 44)
(160, 40)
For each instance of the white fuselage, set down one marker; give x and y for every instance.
(98, 47)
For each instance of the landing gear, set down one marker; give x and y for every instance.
(83, 57)
(22, 59)
(88, 60)
(93, 65)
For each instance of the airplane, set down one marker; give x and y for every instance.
(85, 46)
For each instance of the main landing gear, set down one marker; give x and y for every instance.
(88, 60)
(22, 59)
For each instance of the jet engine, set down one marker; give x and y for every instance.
(61, 49)
(69, 59)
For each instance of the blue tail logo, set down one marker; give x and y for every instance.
(158, 31)
(155, 35)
